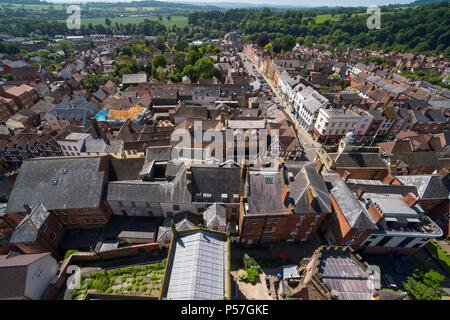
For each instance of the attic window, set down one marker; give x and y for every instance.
(268, 180)
(65, 171)
(54, 181)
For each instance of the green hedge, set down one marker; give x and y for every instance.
(433, 248)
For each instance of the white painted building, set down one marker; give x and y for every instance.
(286, 85)
(73, 143)
(336, 123)
(26, 276)
(307, 103)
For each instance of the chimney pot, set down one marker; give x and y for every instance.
(346, 176)
(26, 207)
(360, 192)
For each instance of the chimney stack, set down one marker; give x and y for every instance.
(26, 207)
(346, 176)
(411, 199)
(360, 192)
(389, 179)
(312, 196)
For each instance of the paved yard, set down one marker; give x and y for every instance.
(248, 291)
(294, 251)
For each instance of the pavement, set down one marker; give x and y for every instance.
(294, 251)
(309, 145)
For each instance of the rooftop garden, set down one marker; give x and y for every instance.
(140, 280)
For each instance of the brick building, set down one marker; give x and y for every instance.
(39, 231)
(24, 96)
(273, 210)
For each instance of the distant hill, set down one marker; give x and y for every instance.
(418, 2)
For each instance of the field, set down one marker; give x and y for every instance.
(324, 17)
(179, 21)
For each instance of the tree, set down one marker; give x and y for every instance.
(92, 82)
(161, 74)
(262, 39)
(160, 44)
(107, 22)
(179, 60)
(66, 46)
(169, 18)
(277, 46)
(206, 70)
(159, 61)
(191, 72)
(425, 285)
(288, 42)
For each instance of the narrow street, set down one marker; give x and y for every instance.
(307, 142)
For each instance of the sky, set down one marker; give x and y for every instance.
(303, 3)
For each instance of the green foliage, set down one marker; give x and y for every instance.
(242, 274)
(75, 293)
(442, 257)
(252, 275)
(424, 284)
(422, 29)
(376, 60)
(100, 283)
(143, 288)
(154, 277)
(429, 76)
(69, 253)
(159, 61)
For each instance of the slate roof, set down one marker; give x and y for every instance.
(182, 221)
(76, 109)
(27, 229)
(45, 181)
(357, 160)
(215, 216)
(126, 169)
(347, 202)
(216, 181)
(419, 159)
(308, 177)
(429, 186)
(265, 192)
(174, 191)
(99, 145)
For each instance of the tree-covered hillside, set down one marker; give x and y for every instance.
(422, 29)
